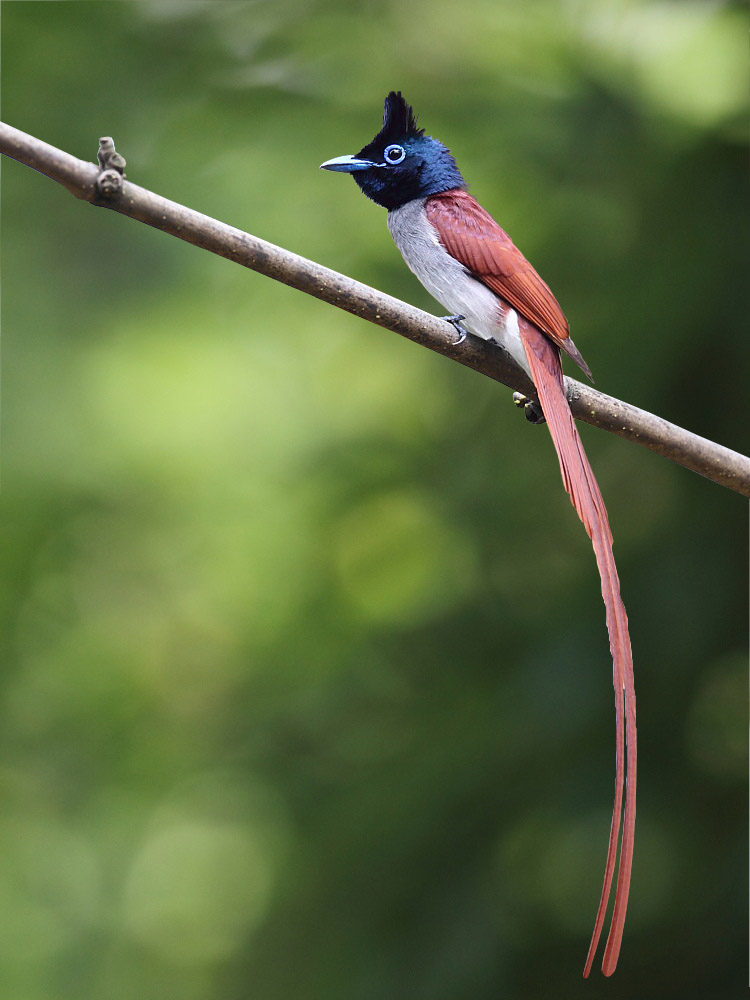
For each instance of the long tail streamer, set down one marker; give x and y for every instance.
(581, 485)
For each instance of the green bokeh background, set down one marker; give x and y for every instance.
(306, 688)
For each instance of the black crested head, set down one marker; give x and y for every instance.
(401, 163)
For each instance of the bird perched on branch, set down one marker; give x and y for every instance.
(471, 266)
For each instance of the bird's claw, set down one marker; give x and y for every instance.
(531, 409)
(455, 322)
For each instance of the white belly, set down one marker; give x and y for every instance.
(450, 283)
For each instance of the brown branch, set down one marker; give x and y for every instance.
(106, 188)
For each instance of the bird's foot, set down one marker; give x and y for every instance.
(455, 322)
(531, 408)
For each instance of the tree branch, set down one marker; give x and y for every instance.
(106, 188)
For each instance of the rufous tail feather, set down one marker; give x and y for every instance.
(579, 480)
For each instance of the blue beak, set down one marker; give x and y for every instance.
(347, 164)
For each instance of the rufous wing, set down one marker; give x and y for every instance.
(472, 236)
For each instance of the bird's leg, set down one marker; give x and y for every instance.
(455, 322)
(531, 409)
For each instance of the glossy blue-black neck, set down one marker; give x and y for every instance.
(428, 167)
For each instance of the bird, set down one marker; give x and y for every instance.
(471, 267)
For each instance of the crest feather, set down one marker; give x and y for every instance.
(399, 117)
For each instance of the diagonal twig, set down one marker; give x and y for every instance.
(104, 186)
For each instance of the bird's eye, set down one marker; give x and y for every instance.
(394, 154)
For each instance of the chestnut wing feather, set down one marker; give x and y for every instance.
(472, 236)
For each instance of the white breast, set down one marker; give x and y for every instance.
(449, 281)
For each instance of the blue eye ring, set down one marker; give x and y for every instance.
(394, 154)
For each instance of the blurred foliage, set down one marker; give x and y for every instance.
(306, 685)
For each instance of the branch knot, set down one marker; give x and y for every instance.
(111, 169)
